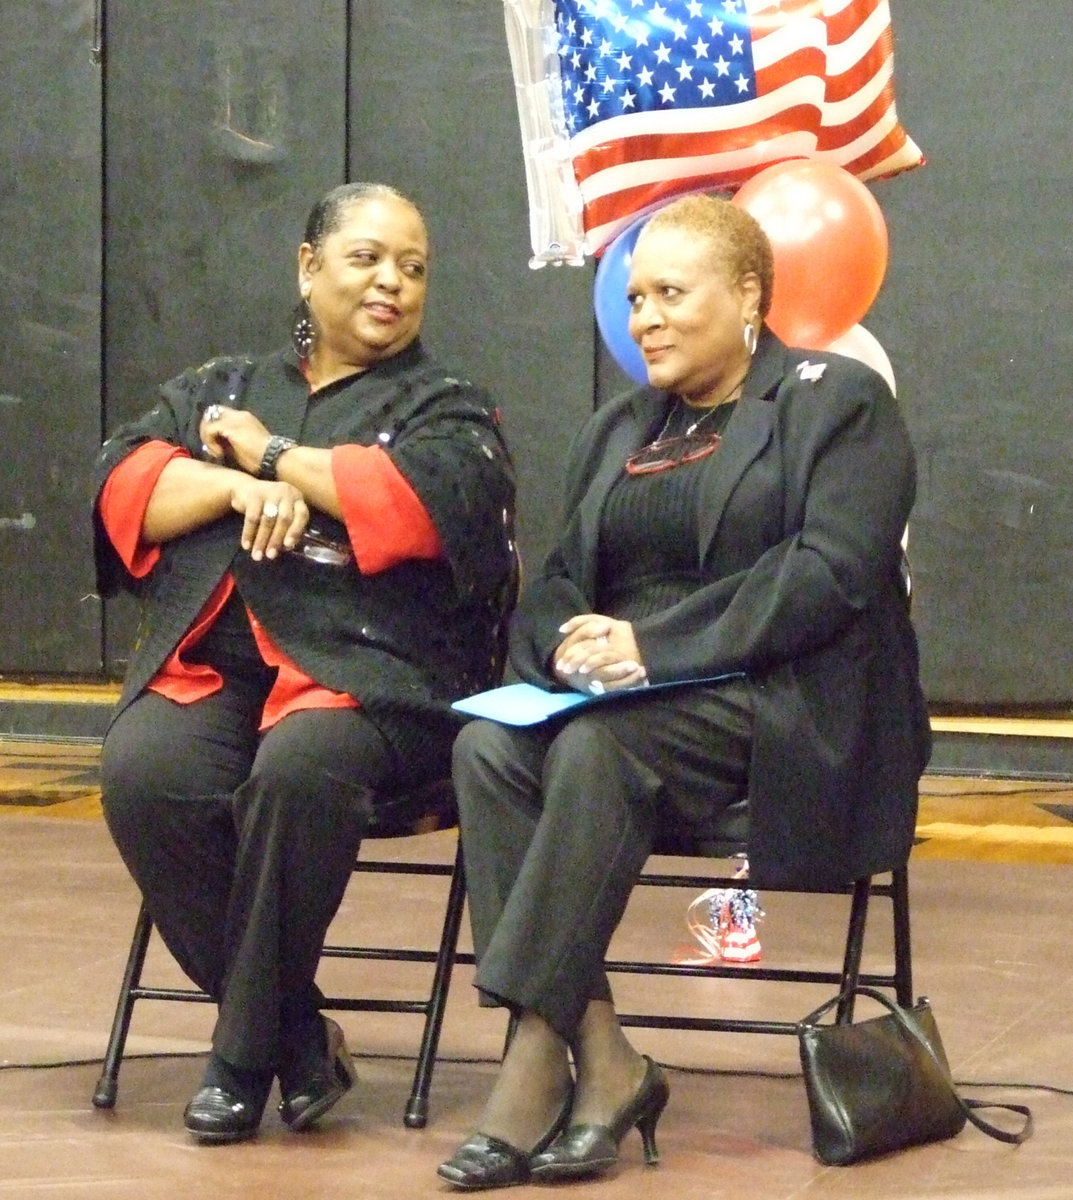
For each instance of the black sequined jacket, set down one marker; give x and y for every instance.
(405, 641)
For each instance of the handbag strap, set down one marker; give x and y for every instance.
(1014, 1138)
(968, 1106)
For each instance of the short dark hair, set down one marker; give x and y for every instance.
(327, 214)
(737, 240)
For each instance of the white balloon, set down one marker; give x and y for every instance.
(858, 343)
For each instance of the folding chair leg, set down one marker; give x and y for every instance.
(416, 1116)
(851, 964)
(903, 960)
(108, 1085)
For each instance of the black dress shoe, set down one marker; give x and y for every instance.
(583, 1150)
(313, 1090)
(218, 1116)
(490, 1162)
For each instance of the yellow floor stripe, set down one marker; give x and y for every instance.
(59, 693)
(1019, 809)
(995, 843)
(1050, 727)
(993, 820)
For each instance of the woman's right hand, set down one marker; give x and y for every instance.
(598, 654)
(275, 515)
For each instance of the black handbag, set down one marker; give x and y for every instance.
(883, 1084)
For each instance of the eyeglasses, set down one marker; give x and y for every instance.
(672, 452)
(320, 549)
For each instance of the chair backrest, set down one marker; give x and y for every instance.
(731, 836)
(422, 809)
(431, 805)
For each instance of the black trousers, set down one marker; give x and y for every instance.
(558, 819)
(242, 846)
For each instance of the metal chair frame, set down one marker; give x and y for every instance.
(899, 978)
(443, 958)
(430, 1006)
(730, 841)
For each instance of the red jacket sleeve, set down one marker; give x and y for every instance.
(125, 497)
(385, 519)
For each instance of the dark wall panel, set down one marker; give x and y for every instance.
(975, 316)
(49, 334)
(433, 112)
(224, 122)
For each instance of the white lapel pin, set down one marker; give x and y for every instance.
(810, 372)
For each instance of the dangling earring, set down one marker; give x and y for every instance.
(749, 333)
(303, 331)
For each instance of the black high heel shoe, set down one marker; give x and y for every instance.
(308, 1097)
(583, 1150)
(489, 1162)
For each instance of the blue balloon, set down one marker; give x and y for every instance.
(612, 307)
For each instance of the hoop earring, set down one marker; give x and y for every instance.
(303, 331)
(749, 334)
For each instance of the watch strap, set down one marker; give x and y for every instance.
(276, 446)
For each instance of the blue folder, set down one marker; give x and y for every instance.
(525, 704)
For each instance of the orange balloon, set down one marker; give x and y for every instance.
(829, 241)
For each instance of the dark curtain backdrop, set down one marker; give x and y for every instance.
(187, 162)
(223, 122)
(50, 315)
(432, 109)
(975, 316)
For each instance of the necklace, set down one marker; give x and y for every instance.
(673, 449)
(709, 410)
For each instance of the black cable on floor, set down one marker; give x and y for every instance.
(751, 1073)
(715, 1072)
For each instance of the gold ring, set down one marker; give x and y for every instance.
(270, 511)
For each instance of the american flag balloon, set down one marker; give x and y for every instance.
(624, 104)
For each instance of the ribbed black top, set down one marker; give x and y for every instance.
(647, 557)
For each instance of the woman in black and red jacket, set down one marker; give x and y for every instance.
(321, 540)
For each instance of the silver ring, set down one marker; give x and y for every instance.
(270, 510)
(213, 413)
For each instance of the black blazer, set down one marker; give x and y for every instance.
(405, 641)
(805, 505)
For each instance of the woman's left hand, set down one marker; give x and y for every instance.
(233, 436)
(598, 654)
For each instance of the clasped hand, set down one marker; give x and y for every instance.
(275, 513)
(598, 654)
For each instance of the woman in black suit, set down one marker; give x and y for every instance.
(734, 528)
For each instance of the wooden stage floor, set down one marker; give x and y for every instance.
(1001, 820)
(992, 902)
